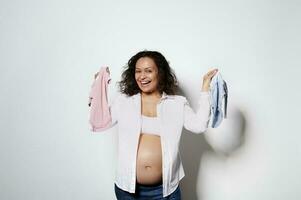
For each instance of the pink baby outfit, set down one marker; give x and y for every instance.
(100, 117)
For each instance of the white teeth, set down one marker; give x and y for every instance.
(145, 82)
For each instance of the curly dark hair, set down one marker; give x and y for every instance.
(167, 79)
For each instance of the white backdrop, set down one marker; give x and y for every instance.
(50, 50)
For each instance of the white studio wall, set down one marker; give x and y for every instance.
(50, 51)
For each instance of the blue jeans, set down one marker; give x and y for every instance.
(147, 193)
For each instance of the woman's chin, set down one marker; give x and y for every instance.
(146, 90)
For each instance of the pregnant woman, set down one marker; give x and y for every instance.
(150, 118)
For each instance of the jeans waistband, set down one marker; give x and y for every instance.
(153, 186)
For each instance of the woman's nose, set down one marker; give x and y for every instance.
(142, 75)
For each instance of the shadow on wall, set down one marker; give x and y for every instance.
(228, 137)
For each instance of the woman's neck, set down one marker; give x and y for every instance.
(151, 96)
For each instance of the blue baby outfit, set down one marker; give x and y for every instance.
(219, 92)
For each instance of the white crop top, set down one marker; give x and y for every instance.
(150, 125)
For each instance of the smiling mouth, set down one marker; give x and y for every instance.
(146, 83)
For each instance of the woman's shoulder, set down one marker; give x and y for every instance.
(177, 97)
(123, 97)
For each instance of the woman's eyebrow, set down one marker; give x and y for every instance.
(144, 68)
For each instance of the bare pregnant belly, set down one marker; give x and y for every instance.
(149, 160)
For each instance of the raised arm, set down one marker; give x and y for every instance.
(197, 122)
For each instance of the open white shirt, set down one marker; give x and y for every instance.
(174, 113)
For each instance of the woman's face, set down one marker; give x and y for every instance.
(146, 74)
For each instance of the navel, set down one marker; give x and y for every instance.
(148, 167)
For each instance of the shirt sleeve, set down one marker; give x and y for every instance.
(114, 109)
(197, 122)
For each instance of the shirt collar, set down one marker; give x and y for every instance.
(164, 96)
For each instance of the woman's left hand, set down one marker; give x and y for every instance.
(207, 79)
